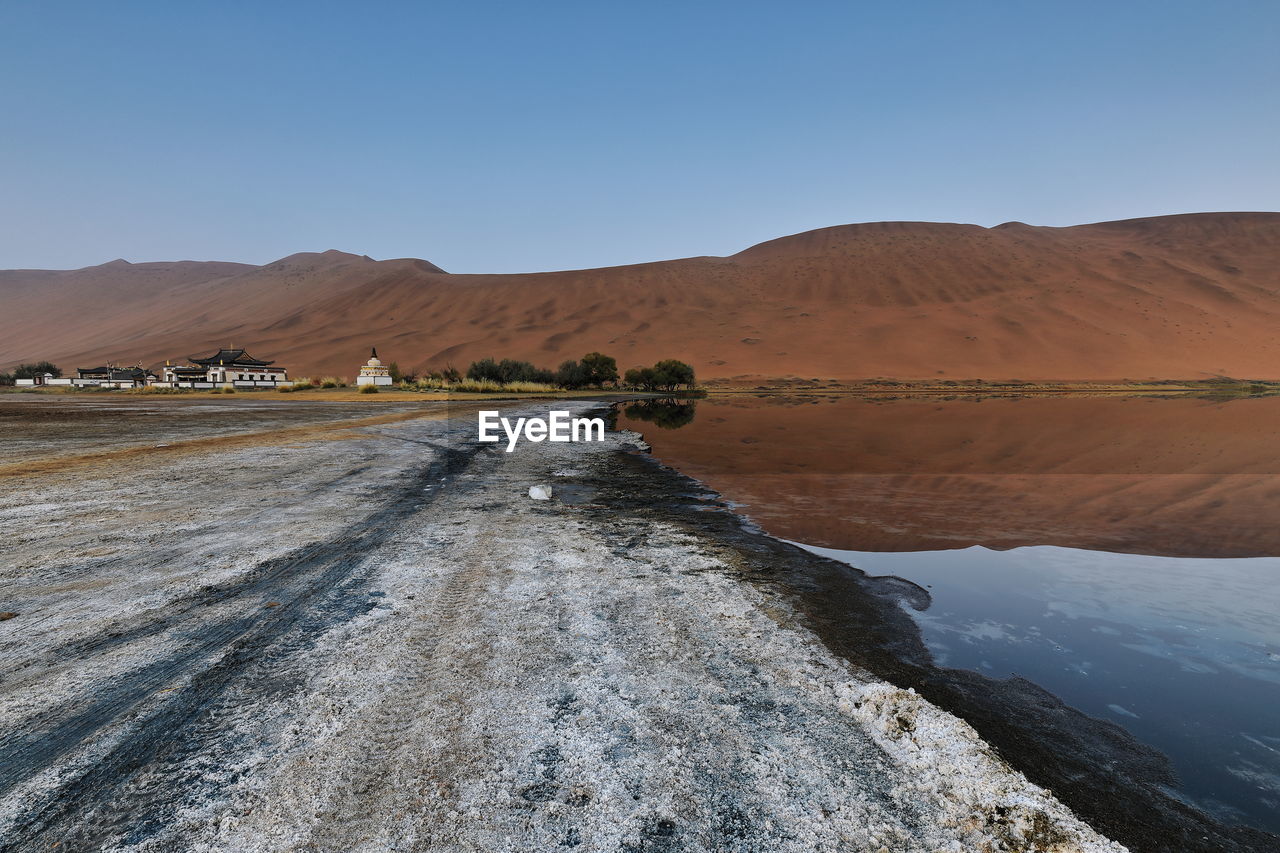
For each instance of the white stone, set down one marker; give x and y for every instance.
(540, 493)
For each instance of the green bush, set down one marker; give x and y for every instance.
(595, 370)
(572, 375)
(508, 370)
(601, 369)
(666, 375)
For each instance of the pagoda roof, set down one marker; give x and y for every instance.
(232, 357)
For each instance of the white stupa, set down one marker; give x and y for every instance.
(373, 373)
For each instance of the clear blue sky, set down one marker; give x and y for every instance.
(504, 136)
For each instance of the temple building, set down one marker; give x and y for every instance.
(107, 376)
(38, 379)
(373, 373)
(225, 367)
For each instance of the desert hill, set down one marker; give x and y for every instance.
(1173, 297)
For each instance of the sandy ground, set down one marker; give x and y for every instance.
(382, 643)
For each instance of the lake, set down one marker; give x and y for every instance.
(1120, 551)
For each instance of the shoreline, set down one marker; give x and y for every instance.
(1117, 784)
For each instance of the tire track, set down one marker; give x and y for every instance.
(317, 587)
(79, 652)
(374, 784)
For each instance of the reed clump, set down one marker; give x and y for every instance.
(477, 386)
(153, 389)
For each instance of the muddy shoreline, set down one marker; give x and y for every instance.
(1117, 784)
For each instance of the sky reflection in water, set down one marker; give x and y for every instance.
(1183, 652)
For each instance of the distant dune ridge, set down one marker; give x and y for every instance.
(1171, 297)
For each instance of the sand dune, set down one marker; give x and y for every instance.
(1175, 297)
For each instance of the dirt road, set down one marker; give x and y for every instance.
(381, 643)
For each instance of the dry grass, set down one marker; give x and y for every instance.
(50, 389)
(152, 389)
(479, 386)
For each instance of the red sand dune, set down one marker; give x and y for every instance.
(1174, 297)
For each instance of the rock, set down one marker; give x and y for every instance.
(540, 493)
(8, 614)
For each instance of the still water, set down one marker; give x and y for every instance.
(1122, 553)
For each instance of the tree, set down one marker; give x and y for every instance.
(640, 377)
(601, 369)
(508, 370)
(666, 375)
(396, 376)
(671, 373)
(40, 368)
(523, 371)
(572, 375)
(484, 369)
